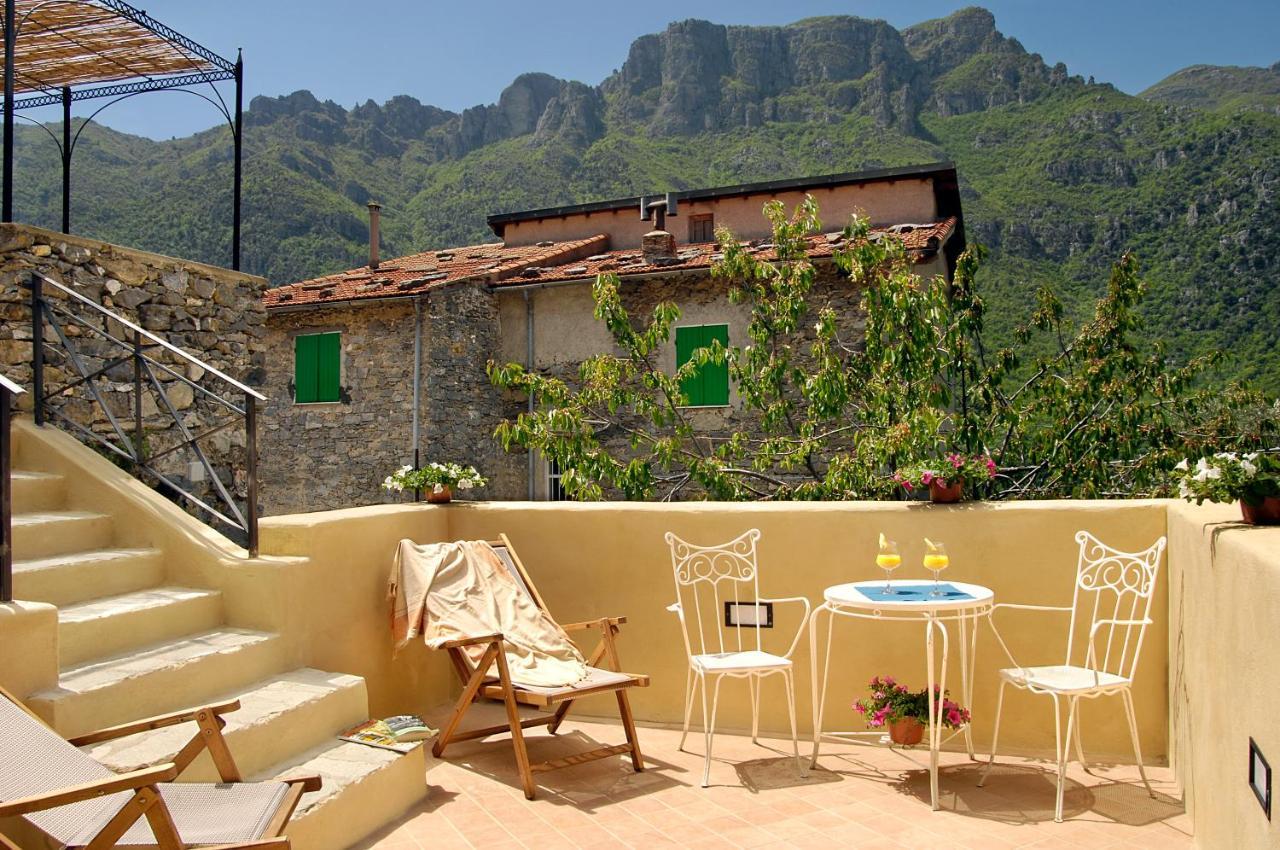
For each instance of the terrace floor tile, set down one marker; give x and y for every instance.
(861, 797)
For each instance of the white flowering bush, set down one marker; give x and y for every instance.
(1230, 476)
(434, 477)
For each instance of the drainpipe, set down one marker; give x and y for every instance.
(528, 365)
(375, 214)
(417, 383)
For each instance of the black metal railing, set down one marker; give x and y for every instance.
(108, 367)
(8, 389)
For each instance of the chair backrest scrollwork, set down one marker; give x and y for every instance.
(1114, 590)
(708, 576)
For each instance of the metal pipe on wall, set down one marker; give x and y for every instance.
(528, 365)
(417, 375)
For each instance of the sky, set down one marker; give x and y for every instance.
(455, 55)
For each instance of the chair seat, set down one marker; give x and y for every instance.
(740, 662)
(595, 678)
(205, 813)
(1062, 678)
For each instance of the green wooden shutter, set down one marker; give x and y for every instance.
(688, 339)
(715, 377)
(710, 386)
(305, 369)
(328, 366)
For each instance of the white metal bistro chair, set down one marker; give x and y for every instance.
(707, 578)
(1114, 590)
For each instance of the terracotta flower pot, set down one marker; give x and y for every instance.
(440, 497)
(1265, 513)
(950, 493)
(906, 732)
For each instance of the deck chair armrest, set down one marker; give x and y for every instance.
(470, 641)
(309, 782)
(593, 624)
(281, 843)
(158, 722)
(75, 793)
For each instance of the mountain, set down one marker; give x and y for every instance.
(1221, 88)
(1059, 175)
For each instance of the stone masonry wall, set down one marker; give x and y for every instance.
(214, 314)
(463, 407)
(335, 455)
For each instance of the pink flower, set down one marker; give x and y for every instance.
(888, 680)
(956, 460)
(927, 477)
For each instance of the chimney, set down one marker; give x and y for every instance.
(658, 246)
(375, 213)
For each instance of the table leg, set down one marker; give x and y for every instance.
(930, 702)
(967, 656)
(819, 694)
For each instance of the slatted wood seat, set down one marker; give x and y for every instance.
(478, 684)
(77, 802)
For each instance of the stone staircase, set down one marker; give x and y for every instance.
(131, 644)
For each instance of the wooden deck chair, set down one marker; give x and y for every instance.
(476, 684)
(78, 802)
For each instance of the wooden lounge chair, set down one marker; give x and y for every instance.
(477, 684)
(78, 802)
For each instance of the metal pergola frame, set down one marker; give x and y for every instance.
(163, 59)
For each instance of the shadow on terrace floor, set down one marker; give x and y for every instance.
(859, 797)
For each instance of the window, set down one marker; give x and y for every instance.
(702, 228)
(317, 365)
(555, 486)
(710, 386)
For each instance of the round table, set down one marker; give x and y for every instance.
(864, 600)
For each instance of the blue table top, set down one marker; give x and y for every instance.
(914, 592)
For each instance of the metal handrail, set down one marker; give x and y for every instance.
(139, 350)
(8, 389)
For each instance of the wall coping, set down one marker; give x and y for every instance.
(53, 237)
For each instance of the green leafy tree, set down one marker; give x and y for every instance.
(833, 401)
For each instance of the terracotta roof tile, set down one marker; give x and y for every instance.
(921, 238)
(500, 265)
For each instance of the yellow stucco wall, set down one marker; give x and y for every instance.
(1225, 670)
(909, 200)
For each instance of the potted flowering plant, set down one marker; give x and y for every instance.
(945, 477)
(1252, 478)
(905, 711)
(437, 479)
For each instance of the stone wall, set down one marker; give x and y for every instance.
(214, 314)
(333, 455)
(463, 408)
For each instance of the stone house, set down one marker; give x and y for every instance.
(367, 366)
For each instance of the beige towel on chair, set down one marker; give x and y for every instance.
(447, 591)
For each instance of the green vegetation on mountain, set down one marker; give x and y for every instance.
(1059, 176)
(1224, 89)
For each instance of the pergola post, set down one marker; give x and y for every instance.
(10, 41)
(66, 159)
(239, 135)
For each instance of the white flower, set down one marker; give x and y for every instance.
(437, 488)
(464, 484)
(1184, 490)
(817, 327)
(1251, 456)
(1226, 455)
(1249, 468)
(406, 468)
(1182, 465)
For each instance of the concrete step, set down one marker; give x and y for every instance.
(154, 679)
(39, 534)
(279, 718)
(37, 491)
(76, 576)
(364, 788)
(114, 624)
